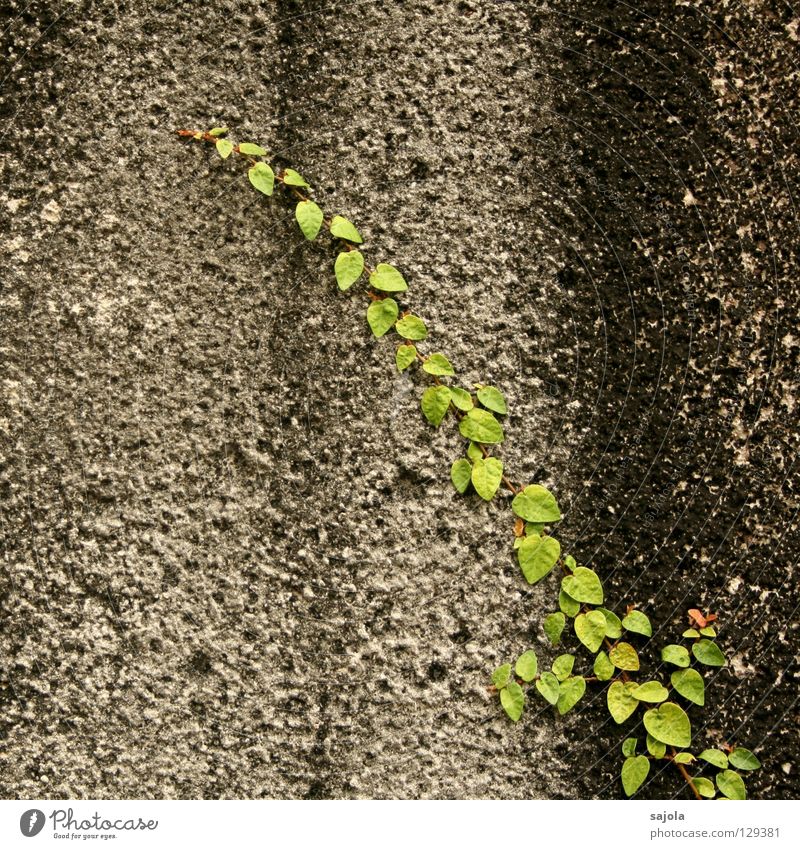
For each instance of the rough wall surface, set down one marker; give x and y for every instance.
(234, 565)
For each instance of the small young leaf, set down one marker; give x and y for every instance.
(486, 477)
(349, 266)
(651, 691)
(262, 177)
(480, 426)
(637, 623)
(629, 746)
(690, 633)
(568, 605)
(708, 631)
(708, 653)
(583, 585)
(527, 666)
(570, 693)
(548, 687)
(439, 365)
(218, 131)
(603, 667)
(473, 451)
(534, 528)
(381, 315)
(684, 758)
(553, 626)
(292, 178)
(743, 758)
(462, 400)
(656, 748)
(715, 757)
(435, 401)
(406, 354)
(621, 703)
(623, 656)
(341, 228)
(492, 399)
(309, 216)
(676, 655)
(731, 785)
(250, 149)
(460, 474)
(634, 773)
(562, 666)
(704, 787)
(411, 327)
(669, 724)
(501, 675)
(590, 628)
(513, 700)
(387, 278)
(536, 504)
(613, 624)
(689, 683)
(224, 148)
(537, 556)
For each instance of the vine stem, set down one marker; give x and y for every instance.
(686, 777)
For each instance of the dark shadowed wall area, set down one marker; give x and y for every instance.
(233, 564)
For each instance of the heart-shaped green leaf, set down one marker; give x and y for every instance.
(224, 148)
(704, 787)
(613, 624)
(553, 626)
(537, 556)
(481, 426)
(309, 216)
(406, 354)
(621, 703)
(462, 400)
(250, 149)
(629, 746)
(656, 748)
(731, 785)
(669, 724)
(492, 399)
(527, 666)
(381, 315)
(651, 691)
(590, 628)
(292, 178)
(386, 278)
(708, 653)
(638, 623)
(562, 666)
(461, 474)
(624, 656)
(676, 655)
(435, 402)
(501, 676)
(486, 477)
(603, 667)
(568, 605)
(743, 758)
(349, 266)
(513, 700)
(411, 327)
(570, 693)
(262, 177)
(536, 504)
(548, 687)
(439, 365)
(583, 585)
(341, 228)
(634, 773)
(689, 683)
(715, 757)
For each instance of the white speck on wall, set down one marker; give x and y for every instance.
(51, 212)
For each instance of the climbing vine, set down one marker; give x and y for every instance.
(677, 684)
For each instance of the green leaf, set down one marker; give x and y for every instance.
(562, 666)
(704, 787)
(613, 624)
(621, 703)
(534, 528)
(708, 653)
(462, 400)
(218, 131)
(629, 746)
(731, 785)
(262, 177)
(435, 401)
(536, 504)
(548, 687)
(570, 693)
(513, 700)
(634, 773)
(387, 278)
(669, 724)
(623, 656)
(527, 666)
(492, 399)
(439, 365)
(689, 684)
(250, 149)
(348, 268)
(571, 563)
(690, 633)
(583, 585)
(553, 626)
(486, 477)
(684, 758)
(411, 327)
(406, 354)
(341, 228)
(708, 631)
(568, 605)
(590, 628)
(381, 315)
(292, 178)
(480, 426)
(603, 667)
(473, 451)
(676, 655)
(656, 748)
(715, 757)
(651, 691)
(743, 758)
(537, 556)
(309, 216)
(224, 148)
(638, 623)
(460, 474)
(501, 675)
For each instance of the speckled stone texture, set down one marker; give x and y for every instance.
(233, 562)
